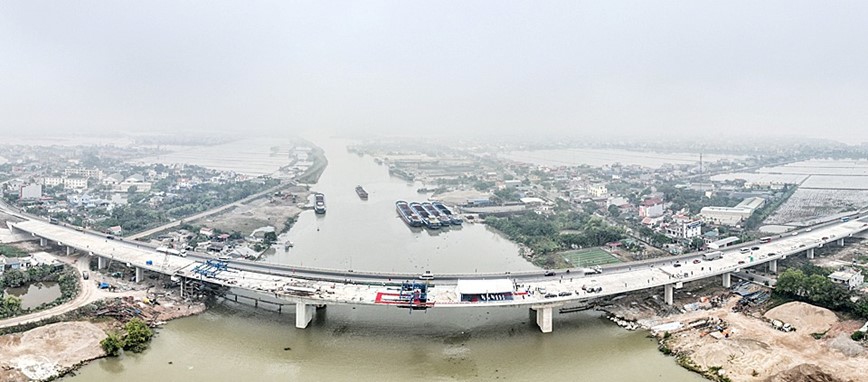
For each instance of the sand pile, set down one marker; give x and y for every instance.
(59, 346)
(804, 373)
(805, 318)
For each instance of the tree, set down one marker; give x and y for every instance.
(112, 344)
(15, 278)
(614, 211)
(269, 238)
(10, 306)
(138, 335)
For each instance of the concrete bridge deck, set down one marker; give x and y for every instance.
(329, 286)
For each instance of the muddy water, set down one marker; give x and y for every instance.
(343, 343)
(36, 294)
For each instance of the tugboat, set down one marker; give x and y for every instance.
(362, 193)
(319, 204)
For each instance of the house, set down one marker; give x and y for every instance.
(113, 179)
(651, 208)
(205, 231)
(598, 190)
(684, 228)
(30, 191)
(852, 278)
(732, 215)
(116, 230)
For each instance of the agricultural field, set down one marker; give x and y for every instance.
(842, 182)
(589, 257)
(807, 204)
(760, 178)
(820, 167)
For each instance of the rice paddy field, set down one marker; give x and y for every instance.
(589, 257)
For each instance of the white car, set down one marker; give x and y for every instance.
(427, 276)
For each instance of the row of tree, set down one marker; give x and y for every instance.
(543, 234)
(811, 284)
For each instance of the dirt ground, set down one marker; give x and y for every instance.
(261, 212)
(43, 352)
(754, 351)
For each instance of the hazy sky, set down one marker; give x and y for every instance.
(460, 67)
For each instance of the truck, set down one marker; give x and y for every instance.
(712, 256)
(592, 270)
(172, 251)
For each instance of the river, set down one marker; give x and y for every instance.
(343, 343)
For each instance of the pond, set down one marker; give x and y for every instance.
(36, 294)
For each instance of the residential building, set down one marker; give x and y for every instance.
(30, 191)
(72, 183)
(113, 179)
(651, 208)
(684, 228)
(852, 278)
(84, 172)
(598, 190)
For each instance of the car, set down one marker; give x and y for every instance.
(808, 230)
(224, 257)
(801, 246)
(564, 294)
(676, 265)
(796, 233)
(744, 250)
(549, 273)
(550, 295)
(85, 275)
(741, 261)
(427, 276)
(825, 238)
(110, 237)
(697, 261)
(755, 248)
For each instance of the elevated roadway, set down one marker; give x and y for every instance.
(309, 287)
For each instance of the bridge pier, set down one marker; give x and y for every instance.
(810, 253)
(773, 266)
(101, 263)
(727, 280)
(669, 294)
(543, 318)
(841, 242)
(140, 274)
(303, 314)
(69, 250)
(41, 242)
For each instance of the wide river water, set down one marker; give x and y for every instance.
(236, 343)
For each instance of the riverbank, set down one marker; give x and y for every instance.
(710, 333)
(52, 350)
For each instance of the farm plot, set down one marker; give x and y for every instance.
(820, 167)
(837, 182)
(589, 257)
(760, 178)
(808, 204)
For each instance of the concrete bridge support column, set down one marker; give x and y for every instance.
(669, 293)
(303, 314)
(101, 263)
(544, 318)
(841, 242)
(810, 253)
(727, 280)
(69, 250)
(41, 242)
(773, 266)
(140, 274)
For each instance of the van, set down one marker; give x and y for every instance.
(427, 276)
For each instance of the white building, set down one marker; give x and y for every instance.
(651, 208)
(30, 191)
(732, 215)
(852, 278)
(83, 172)
(139, 186)
(113, 179)
(598, 190)
(73, 183)
(684, 228)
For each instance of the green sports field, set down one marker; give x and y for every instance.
(589, 257)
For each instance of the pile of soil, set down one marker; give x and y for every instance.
(804, 373)
(804, 317)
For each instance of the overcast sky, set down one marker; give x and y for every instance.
(461, 67)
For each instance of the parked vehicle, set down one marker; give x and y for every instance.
(712, 256)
